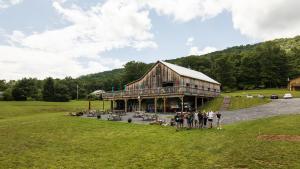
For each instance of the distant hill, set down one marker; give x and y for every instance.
(261, 65)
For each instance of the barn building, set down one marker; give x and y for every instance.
(294, 85)
(165, 88)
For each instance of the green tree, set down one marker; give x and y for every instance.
(48, 90)
(133, 71)
(7, 95)
(61, 93)
(3, 85)
(25, 89)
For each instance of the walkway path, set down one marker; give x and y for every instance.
(276, 107)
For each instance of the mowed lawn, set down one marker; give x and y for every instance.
(40, 135)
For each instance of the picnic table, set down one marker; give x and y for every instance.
(114, 117)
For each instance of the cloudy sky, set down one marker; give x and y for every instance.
(58, 38)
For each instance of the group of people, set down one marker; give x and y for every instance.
(197, 119)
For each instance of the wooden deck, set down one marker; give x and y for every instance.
(160, 92)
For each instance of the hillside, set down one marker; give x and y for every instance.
(263, 65)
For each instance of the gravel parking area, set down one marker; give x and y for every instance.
(276, 107)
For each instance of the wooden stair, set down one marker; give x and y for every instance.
(226, 103)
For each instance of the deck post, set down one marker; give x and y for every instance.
(103, 105)
(111, 105)
(140, 103)
(155, 105)
(125, 105)
(181, 104)
(196, 103)
(89, 105)
(165, 104)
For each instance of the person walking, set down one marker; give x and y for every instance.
(210, 119)
(218, 120)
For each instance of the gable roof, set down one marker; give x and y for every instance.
(182, 71)
(189, 72)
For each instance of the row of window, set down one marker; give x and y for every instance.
(196, 87)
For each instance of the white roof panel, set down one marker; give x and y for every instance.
(189, 73)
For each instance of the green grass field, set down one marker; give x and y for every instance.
(40, 135)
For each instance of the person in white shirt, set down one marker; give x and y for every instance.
(196, 119)
(210, 119)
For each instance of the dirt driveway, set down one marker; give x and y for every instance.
(276, 107)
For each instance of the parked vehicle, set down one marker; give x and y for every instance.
(249, 96)
(260, 96)
(288, 96)
(273, 96)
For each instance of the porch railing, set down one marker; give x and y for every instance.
(161, 91)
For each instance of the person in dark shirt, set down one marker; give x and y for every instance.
(181, 120)
(204, 119)
(219, 120)
(200, 118)
(177, 120)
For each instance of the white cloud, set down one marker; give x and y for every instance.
(260, 20)
(8, 3)
(186, 10)
(115, 24)
(194, 50)
(266, 20)
(190, 41)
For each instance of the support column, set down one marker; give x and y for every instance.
(140, 103)
(181, 104)
(202, 102)
(89, 105)
(125, 105)
(165, 108)
(112, 105)
(155, 105)
(196, 103)
(103, 105)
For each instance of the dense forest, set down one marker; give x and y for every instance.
(263, 65)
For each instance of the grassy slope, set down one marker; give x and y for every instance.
(213, 105)
(243, 102)
(265, 92)
(53, 140)
(235, 103)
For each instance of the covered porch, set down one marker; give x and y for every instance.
(165, 104)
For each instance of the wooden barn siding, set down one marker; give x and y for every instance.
(200, 84)
(154, 80)
(151, 80)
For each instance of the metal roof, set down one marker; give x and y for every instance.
(189, 72)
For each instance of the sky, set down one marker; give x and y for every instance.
(59, 38)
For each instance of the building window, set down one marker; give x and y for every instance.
(188, 85)
(208, 89)
(196, 86)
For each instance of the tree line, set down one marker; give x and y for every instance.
(264, 65)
